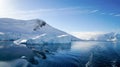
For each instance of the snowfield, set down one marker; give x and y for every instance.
(32, 31)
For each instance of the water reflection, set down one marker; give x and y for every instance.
(76, 54)
(51, 47)
(83, 45)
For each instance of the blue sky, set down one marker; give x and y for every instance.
(67, 15)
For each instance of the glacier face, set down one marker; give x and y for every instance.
(32, 31)
(44, 38)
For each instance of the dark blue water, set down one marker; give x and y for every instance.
(76, 54)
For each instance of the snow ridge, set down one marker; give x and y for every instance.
(32, 31)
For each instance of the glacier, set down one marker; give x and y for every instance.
(33, 31)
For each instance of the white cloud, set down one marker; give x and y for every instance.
(28, 14)
(86, 35)
(94, 11)
(117, 15)
(111, 14)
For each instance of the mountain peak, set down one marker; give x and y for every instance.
(28, 29)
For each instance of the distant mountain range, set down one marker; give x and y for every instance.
(112, 36)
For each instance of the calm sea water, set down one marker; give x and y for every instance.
(76, 54)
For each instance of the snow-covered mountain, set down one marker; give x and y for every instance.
(32, 31)
(112, 36)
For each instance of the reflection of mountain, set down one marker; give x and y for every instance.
(41, 47)
(51, 47)
(100, 54)
(103, 54)
(38, 31)
(11, 52)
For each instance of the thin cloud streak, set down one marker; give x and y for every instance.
(46, 12)
(94, 11)
(29, 14)
(117, 15)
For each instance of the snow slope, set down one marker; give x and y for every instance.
(32, 31)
